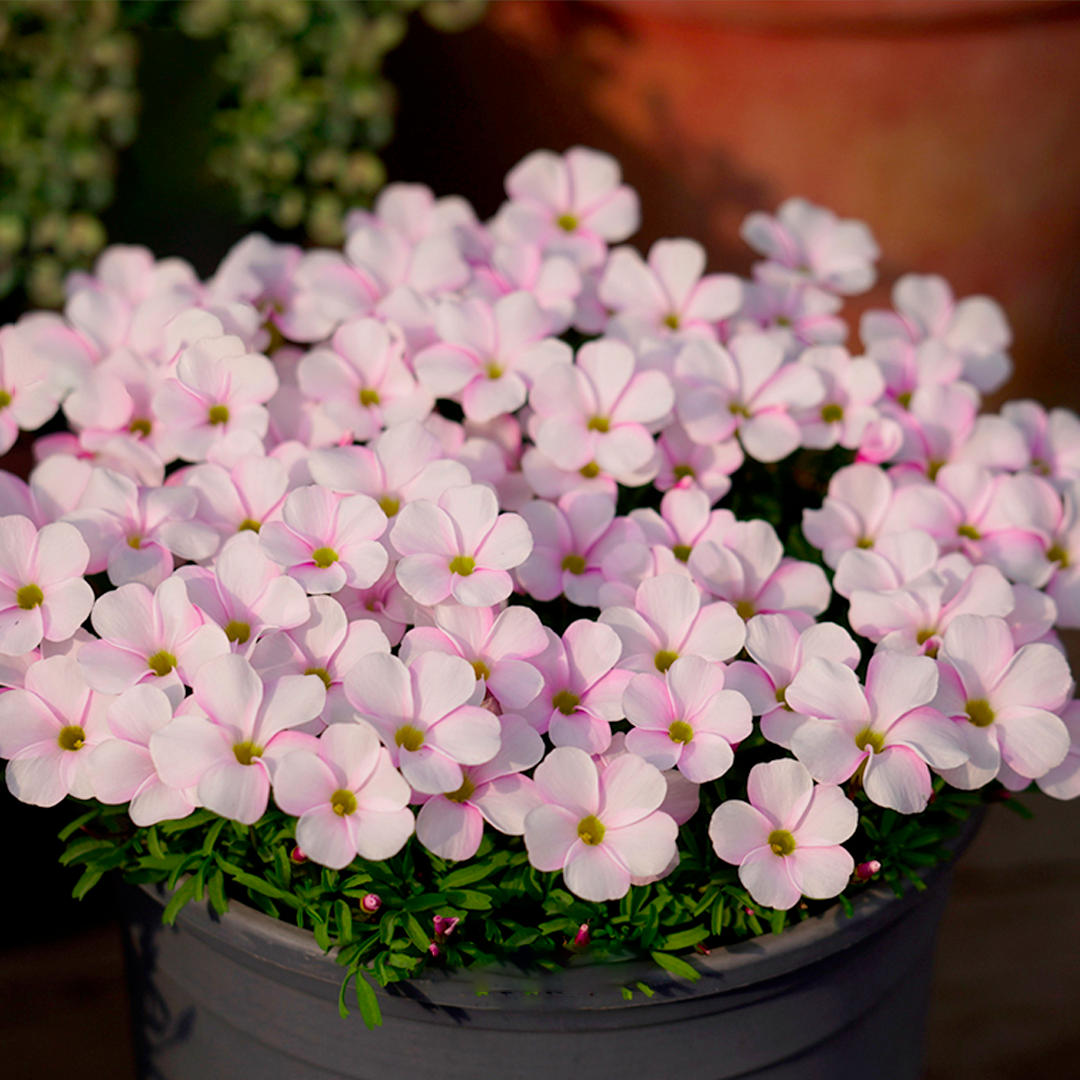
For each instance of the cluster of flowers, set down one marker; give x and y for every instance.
(325, 586)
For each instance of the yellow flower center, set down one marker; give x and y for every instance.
(463, 565)
(736, 409)
(590, 471)
(681, 732)
(599, 423)
(979, 712)
(566, 702)
(574, 563)
(781, 842)
(343, 802)
(681, 472)
(590, 830)
(218, 414)
(781, 698)
(322, 673)
(237, 631)
(904, 399)
(135, 542)
(389, 505)
(368, 398)
(870, 738)
(481, 669)
(162, 662)
(864, 542)
(29, 597)
(745, 609)
(832, 414)
(324, 557)
(664, 659)
(682, 552)
(969, 531)
(5, 399)
(672, 321)
(249, 525)
(463, 793)
(246, 752)
(409, 738)
(567, 222)
(494, 370)
(1059, 555)
(140, 427)
(71, 737)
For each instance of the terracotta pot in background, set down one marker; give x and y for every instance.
(953, 129)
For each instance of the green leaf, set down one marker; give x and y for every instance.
(777, 920)
(212, 836)
(469, 899)
(153, 844)
(647, 990)
(684, 939)
(322, 936)
(416, 933)
(215, 887)
(192, 821)
(523, 936)
(627, 993)
(676, 966)
(425, 902)
(368, 1002)
(387, 926)
(85, 883)
(77, 851)
(177, 901)
(718, 917)
(466, 875)
(73, 827)
(344, 921)
(342, 1008)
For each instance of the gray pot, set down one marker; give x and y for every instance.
(247, 995)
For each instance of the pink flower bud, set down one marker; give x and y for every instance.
(434, 949)
(444, 925)
(297, 855)
(866, 870)
(582, 937)
(370, 903)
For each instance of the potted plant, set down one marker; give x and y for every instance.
(572, 657)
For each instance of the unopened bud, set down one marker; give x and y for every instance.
(582, 937)
(370, 903)
(866, 870)
(444, 925)
(297, 855)
(434, 949)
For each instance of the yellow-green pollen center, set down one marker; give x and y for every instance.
(71, 737)
(870, 739)
(969, 531)
(575, 564)
(672, 321)
(219, 414)
(29, 596)
(140, 427)
(737, 409)
(409, 738)
(590, 471)
(781, 698)
(745, 609)
(923, 636)
(481, 669)
(567, 222)
(135, 542)
(389, 505)
(681, 472)
(590, 830)
(979, 712)
(5, 399)
(343, 802)
(463, 565)
(1059, 555)
(682, 552)
(864, 542)
(249, 525)
(322, 673)
(237, 631)
(246, 752)
(599, 423)
(324, 557)
(162, 662)
(832, 414)
(664, 659)
(368, 398)
(463, 793)
(494, 369)
(681, 732)
(781, 842)
(566, 702)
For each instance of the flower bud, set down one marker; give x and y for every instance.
(297, 855)
(582, 937)
(444, 926)
(370, 903)
(866, 870)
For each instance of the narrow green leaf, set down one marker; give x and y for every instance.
(469, 899)
(368, 1002)
(85, 883)
(777, 920)
(192, 821)
(154, 844)
(676, 966)
(344, 921)
(322, 936)
(74, 826)
(342, 1008)
(466, 875)
(212, 836)
(647, 990)
(177, 901)
(684, 939)
(215, 886)
(387, 926)
(416, 933)
(425, 902)
(77, 851)
(718, 917)
(524, 936)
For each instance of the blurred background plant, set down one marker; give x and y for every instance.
(298, 110)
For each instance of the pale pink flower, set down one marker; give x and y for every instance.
(48, 730)
(362, 381)
(215, 407)
(889, 729)
(570, 542)
(550, 481)
(793, 312)
(498, 644)
(1063, 781)
(668, 296)
(684, 521)
(573, 205)
(239, 499)
(157, 636)
(425, 716)
(687, 719)
(749, 570)
(42, 591)
(134, 532)
(246, 593)
(669, 620)
(583, 687)
(348, 797)
(600, 411)
(810, 243)
(893, 561)
(461, 547)
(786, 841)
(55, 488)
(553, 281)
(600, 827)
(779, 649)
(974, 330)
(487, 357)
(452, 824)
(121, 769)
(258, 271)
(385, 603)
(1003, 701)
(1052, 438)
(28, 394)
(327, 644)
(686, 464)
(231, 732)
(326, 541)
(852, 390)
(746, 388)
